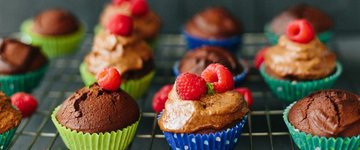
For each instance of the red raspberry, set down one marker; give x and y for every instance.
(247, 95)
(109, 79)
(118, 2)
(300, 31)
(120, 25)
(160, 97)
(139, 7)
(190, 86)
(219, 77)
(26, 103)
(259, 58)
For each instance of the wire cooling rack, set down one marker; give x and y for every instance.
(264, 130)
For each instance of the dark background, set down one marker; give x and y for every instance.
(253, 13)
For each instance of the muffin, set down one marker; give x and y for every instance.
(146, 22)
(214, 26)
(206, 117)
(321, 22)
(294, 68)
(197, 60)
(94, 118)
(10, 120)
(57, 31)
(22, 66)
(328, 119)
(130, 54)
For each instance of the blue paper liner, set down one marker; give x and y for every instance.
(231, 43)
(222, 140)
(6, 138)
(238, 79)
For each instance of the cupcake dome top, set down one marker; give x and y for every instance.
(9, 116)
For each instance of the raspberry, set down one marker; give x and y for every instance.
(190, 86)
(160, 97)
(26, 103)
(219, 77)
(109, 79)
(259, 58)
(300, 31)
(139, 7)
(247, 95)
(118, 2)
(120, 25)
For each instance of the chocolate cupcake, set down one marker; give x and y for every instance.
(214, 26)
(329, 117)
(321, 22)
(57, 31)
(110, 116)
(22, 66)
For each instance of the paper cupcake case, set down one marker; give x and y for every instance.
(294, 90)
(26, 82)
(54, 46)
(6, 138)
(74, 140)
(135, 88)
(311, 142)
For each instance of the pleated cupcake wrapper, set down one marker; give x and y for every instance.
(222, 140)
(135, 88)
(6, 137)
(26, 82)
(294, 90)
(54, 46)
(74, 140)
(232, 43)
(312, 142)
(324, 37)
(238, 79)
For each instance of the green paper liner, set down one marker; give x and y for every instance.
(25, 82)
(54, 46)
(135, 88)
(74, 140)
(6, 137)
(294, 90)
(324, 37)
(307, 141)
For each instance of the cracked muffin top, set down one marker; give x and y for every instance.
(329, 113)
(94, 110)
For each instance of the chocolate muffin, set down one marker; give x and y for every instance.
(197, 60)
(319, 19)
(56, 21)
(9, 116)
(94, 110)
(329, 113)
(17, 57)
(213, 23)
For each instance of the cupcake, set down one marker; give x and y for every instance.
(146, 22)
(321, 22)
(97, 118)
(121, 48)
(56, 31)
(299, 64)
(328, 119)
(10, 120)
(22, 66)
(197, 60)
(214, 26)
(201, 113)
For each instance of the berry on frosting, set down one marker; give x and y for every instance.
(247, 95)
(139, 7)
(26, 103)
(120, 25)
(109, 79)
(259, 58)
(118, 2)
(300, 31)
(190, 86)
(160, 97)
(219, 77)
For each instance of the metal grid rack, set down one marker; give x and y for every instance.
(264, 130)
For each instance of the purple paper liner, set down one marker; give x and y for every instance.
(232, 43)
